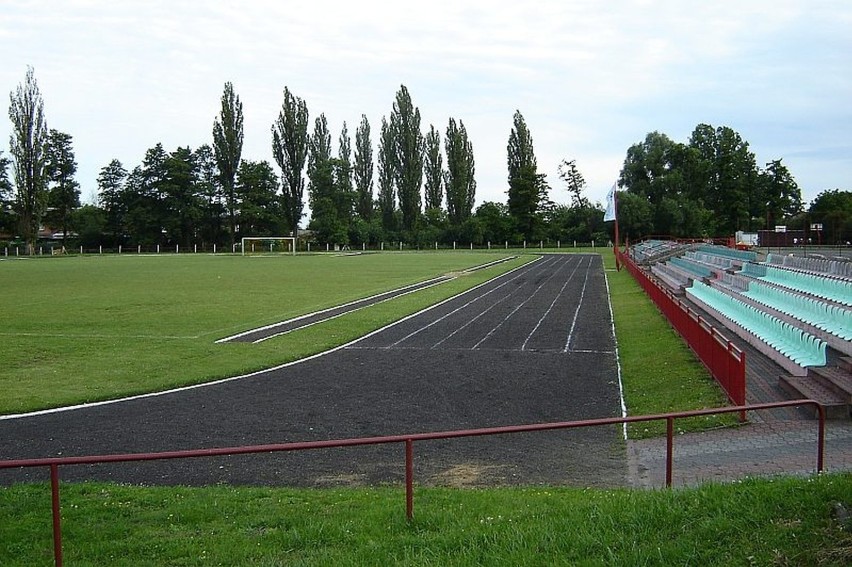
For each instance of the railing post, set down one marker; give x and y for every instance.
(821, 438)
(57, 521)
(669, 455)
(409, 479)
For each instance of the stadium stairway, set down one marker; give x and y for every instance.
(831, 386)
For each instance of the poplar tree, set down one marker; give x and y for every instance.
(433, 170)
(387, 168)
(228, 148)
(28, 148)
(527, 188)
(408, 175)
(290, 148)
(363, 170)
(459, 178)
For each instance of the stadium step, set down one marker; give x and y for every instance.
(845, 362)
(806, 387)
(835, 379)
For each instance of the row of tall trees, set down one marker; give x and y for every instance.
(417, 187)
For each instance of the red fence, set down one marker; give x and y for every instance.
(408, 440)
(724, 360)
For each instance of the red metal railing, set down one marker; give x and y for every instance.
(721, 357)
(408, 440)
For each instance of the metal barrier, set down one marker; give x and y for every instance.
(408, 440)
(721, 357)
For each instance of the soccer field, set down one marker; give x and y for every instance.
(82, 329)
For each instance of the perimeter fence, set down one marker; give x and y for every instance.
(53, 463)
(722, 358)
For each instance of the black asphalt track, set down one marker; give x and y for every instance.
(533, 345)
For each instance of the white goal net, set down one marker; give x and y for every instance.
(268, 245)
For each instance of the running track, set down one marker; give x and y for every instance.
(533, 345)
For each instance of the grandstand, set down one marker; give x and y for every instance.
(794, 309)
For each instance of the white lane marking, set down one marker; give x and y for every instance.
(579, 304)
(617, 359)
(454, 311)
(516, 309)
(546, 313)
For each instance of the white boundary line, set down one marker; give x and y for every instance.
(251, 374)
(425, 283)
(321, 311)
(617, 359)
(432, 283)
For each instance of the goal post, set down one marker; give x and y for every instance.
(268, 245)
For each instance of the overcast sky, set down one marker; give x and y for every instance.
(591, 78)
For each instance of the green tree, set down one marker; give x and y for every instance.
(779, 194)
(6, 212)
(326, 221)
(112, 200)
(635, 215)
(387, 167)
(574, 181)
(527, 188)
(290, 145)
(28, 147)
(260, 212)
(496, 223)
(228, 148)
(145, 197)
(344, 192)
(63, 190)
(180, 210)
(833, 209)
(459, 180)
(90, 222)
(212, 202)
(731, 187)
(363, 170)
(408, 162)
(433, 169)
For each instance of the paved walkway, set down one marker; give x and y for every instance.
(757, 449)
(779, 441)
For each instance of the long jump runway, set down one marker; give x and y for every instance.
(533, 345)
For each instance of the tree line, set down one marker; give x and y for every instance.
(416, 188)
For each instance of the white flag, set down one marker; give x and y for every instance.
(610, 205)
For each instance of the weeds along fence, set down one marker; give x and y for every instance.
(722, 358)
(53, 463)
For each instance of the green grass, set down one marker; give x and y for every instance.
(659, 371)
(757, 522)
(83, 329)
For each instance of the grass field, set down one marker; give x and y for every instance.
(84, 329)
(79, 329)
(756, 522)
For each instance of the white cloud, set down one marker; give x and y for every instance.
(590, 79)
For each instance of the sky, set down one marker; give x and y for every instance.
(590, 78)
